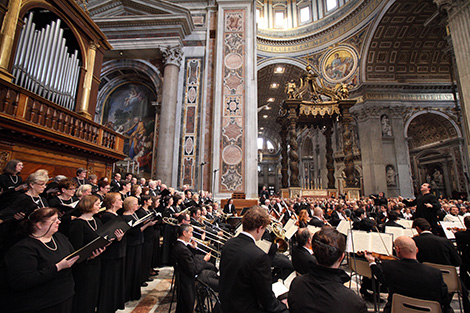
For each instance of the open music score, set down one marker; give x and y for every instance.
(398, 231)
(359, 240)
(264, 245)
(450, 228)
(405, 223)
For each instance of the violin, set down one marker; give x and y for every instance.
(379, 256)
(456, 229)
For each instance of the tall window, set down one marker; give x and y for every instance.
(331, 4)
(304, 14)
(279, 19)
(260, 143)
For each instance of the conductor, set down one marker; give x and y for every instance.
(245, 270)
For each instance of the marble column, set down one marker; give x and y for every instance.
(7, 37)
(172, 58)
(458, 12)
(402, 152)
(294, 147)
(284, 158)
(347, 148)
(330, 163)
(235, 121)
(370, 132)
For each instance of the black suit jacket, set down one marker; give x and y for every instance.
(230, 209)
(316, 222)
(301, 259)
(412, 279)
(245, 278)
(435, 249)
(185, 277)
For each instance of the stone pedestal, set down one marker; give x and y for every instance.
(166, 137)
(352, 193)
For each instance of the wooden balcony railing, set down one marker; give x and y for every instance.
(23, 111)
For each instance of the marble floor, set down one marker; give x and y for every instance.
(156, 297)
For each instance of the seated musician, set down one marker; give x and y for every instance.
(463, 245)
(302, 254)
(229, 208)
(245, 270)
(407, 276)
(322, 288)
(317, 220)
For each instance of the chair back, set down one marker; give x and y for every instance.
(361, 267)
(450, 276)
(403, 304)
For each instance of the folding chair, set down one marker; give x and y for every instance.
(207, 300)
(403, 304)
(451, 278)
(362, 268)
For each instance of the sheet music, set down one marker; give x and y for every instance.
(448, 232)
(264, 245)
(461, 218)
(279, 289)
(313, 229)
(374, 242)
(398, 231)
(344, 227)
(405, 223)
(290, 229)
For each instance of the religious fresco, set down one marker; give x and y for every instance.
(339, 64)
(128, 110)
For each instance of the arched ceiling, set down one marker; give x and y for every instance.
(267, 76)
(429, 128)
(409, 45)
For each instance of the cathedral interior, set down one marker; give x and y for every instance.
(204, 93)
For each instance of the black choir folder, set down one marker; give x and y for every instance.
(86, 251)
(108, 229)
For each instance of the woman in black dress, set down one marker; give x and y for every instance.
(22, 206)
(11, 183)
(112, 288)
(135, 241)
(149, 237)
(38, 274)
(86, 274)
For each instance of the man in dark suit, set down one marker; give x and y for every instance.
(407, 276)
(229, 208)
(438, 250)
(463, 245)
(115, 183)
(317, 219)
(302, 254)
(427, 206)
(432, 248)
(245, 270)
(185, 269)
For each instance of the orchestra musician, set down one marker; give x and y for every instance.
(229, 208)
(407, 276)
(322, 289)
(317, 220)
(463, 245)
(304, 219)
(185, 270)
(302, 254)
(245, 270)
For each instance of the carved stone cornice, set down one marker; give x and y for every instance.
(452, 6)
(173, 56)
(364, 113)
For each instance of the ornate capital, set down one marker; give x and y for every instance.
(367, 112)
(172, 56)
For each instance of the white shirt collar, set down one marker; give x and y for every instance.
(184, 242)
(249, 235)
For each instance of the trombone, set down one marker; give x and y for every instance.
(226, 235)
(202, 243)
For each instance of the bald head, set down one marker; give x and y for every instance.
(406, 247)
(318, 212)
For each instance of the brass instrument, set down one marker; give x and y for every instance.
(198, 231)
(170, 221)
(225, 235)
(278, 230)
(206, 246)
